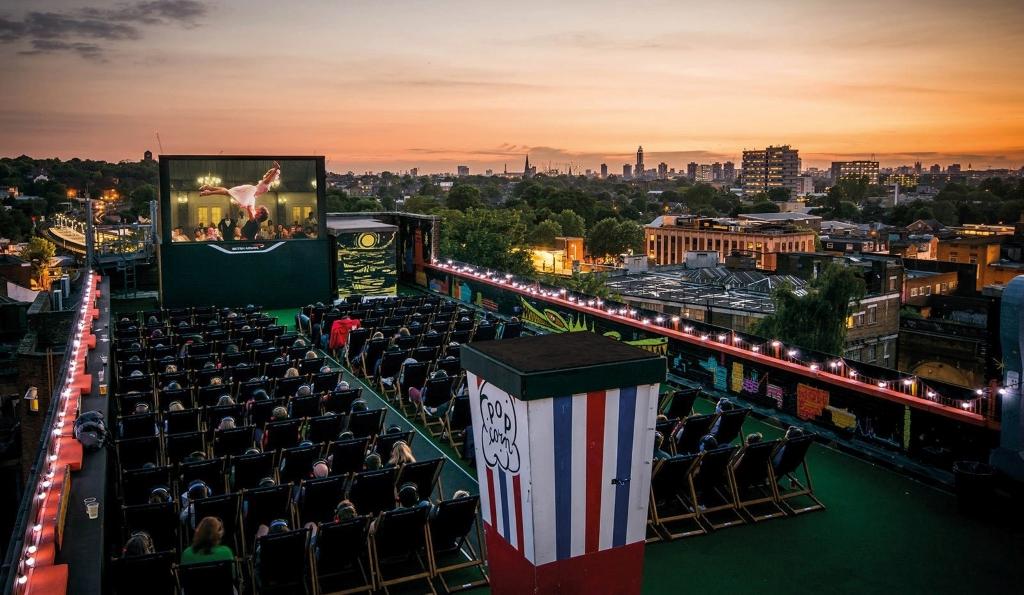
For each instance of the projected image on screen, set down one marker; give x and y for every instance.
(366, 263)
(226, 200)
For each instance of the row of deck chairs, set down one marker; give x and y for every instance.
(404, 545)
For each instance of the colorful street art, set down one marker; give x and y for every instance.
(555, 322)
(810, 401)
(366, 264)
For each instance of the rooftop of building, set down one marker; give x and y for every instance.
(732, 225)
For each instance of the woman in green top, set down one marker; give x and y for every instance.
(206, 546)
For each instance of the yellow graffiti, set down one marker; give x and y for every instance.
(553, 321)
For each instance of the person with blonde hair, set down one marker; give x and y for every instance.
(401, 454)
(291, 373)
(206, 543)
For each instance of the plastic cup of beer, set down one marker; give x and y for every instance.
(92, 507)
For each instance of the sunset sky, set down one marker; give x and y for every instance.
(392, 84)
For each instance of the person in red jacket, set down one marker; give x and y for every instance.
(340, 330)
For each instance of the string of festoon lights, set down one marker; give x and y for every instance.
(837, 367)
(39, 546)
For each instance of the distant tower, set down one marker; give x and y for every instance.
(527, 172)
(639, 169)
(147, 156)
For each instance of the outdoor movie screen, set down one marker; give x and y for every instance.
(240, 199)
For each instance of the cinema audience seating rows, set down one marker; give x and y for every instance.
(711, 477)
(225, 414)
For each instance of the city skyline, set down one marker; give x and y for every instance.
(400, 85)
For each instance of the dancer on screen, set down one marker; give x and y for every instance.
(245, 195)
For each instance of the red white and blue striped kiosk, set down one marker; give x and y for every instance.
(564, 437)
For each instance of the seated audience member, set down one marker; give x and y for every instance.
(139, 544)
(310, 355)
(160, 495)
(409, 497)
(419, 395)
(401, 372)
(175, 406)
(358, 405)
(707, 443)
(358, 360)
(372, 462)
(753, 438)
(197, 490)
(228, 423)
(721, 406)
(291, 373)
(791, 432)
(401, 454)
(206, 543)
(659, 441)
(225, 400)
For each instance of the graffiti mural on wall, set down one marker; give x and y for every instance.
(366, 264)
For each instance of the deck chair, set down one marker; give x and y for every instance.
(248, 388)
(213, 415)
(213, 472)
(687, 434)
(372, 353)
(425, 353)
(411, 376)
(260, 411)
(182, 422)
(348, 456)
(276, 369)
(305, 406)
(485, 332)
(753, 481)
(366, 424)
(281, 434)
(729, 425)
(209, 578)
(160, 520)
(207, 396)
(354, 345)
(143, 384)
(133, 453)
(373, 491)
(233, 442)
(434, 339)
(511, 330)
(137, 426)
(681, 403)
(180, 446)
(137, 484)
(452, 550)
(401, 539)
(340, 556)
(425, 474)
(311, 366)
(152, 570)
(283, 563)
(319, 498)
(165, 397)
(385, 442)
(672, 500)
(325, 381)
(286, 387)
(296, 462)
(248, 470)
(437, 393)
(227, 508)
(262, 506)
(787, 461)
(386, 378)
(457, 420)
(340, 401)
(712, 490)
(324, 428)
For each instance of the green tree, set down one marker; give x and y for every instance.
(422, 204)
(817, 320)
(779, 194)
(545, 232)
(611, 237)
(463, 197)
(38, 253)
(490, 238)
(15, 225)
(141, 197)
(591, 284)
(572, 224)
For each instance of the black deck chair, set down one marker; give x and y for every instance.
(425, 474)
(401, 539)
(452, 367)
(356, 339)
(485, 332)
(385, 442)
(787, 462)
(340, 401)
(412, 376)
(248, 470)
(180, 422)
(304, 406)
(407, 343)
(152, 570)
(165, 378)
(159, 520)
(511, 330)
(267, 355)
(672, 500)
(319, 498)
(311, 365)
(372, 353)
(142, 384)
(281, 434)
(390, 366)
(260, 411)
(136, 452)
(452, 349)
(206, 396)
(366, 424)
(213, 472)
(324, 428)
(227, 508)
(436, 393)
(296, 462)
(284, 563)
(180, 446)
(373, 491)
(325, 381)
(450, 527)
(433, 340)
(208, 578)
(248, 388)
(458, 419)
(166, 396)
(686, 436)
(277, 369)
(205, 377)
(286, 387)
(137, 484)
(713, 489)
(213, 415)
(262, 506)
(682, 402)
(341, 554)
(753, 481)
(136, 426)
(234, 441)
(243, 372)
(424, 354)
(297, 352)
(730, 425)
(348, 456)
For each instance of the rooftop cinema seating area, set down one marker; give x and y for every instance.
(226, 414)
